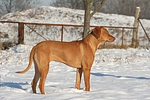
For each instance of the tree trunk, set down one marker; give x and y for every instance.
(86, 19)
(88, 15)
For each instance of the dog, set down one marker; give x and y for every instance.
(77, 54)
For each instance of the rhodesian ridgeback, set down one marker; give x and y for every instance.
(77, 54)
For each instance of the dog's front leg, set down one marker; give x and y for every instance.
(78, 78)
(87, 79)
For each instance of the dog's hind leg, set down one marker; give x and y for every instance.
(43, 75)
(36, 78)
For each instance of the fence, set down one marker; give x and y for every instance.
(22, 24)
(124, 40)
(124, 36)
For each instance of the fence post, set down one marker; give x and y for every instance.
(122, 36)
(1, 44)
(62, 33)
(20, 33)
(135, 41)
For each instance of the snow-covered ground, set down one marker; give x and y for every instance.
(116, 74)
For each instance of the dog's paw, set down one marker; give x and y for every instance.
(78, 87)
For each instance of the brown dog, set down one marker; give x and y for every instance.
(77, 54)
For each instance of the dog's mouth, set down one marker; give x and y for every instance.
(111, 40)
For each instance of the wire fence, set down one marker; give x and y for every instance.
(36, 32)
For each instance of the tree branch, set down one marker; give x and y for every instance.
(92, 1)
(97, 8)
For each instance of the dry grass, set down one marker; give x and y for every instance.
(6, 45)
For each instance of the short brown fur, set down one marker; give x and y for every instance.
(77, 54)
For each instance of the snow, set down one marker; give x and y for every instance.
(62, 15)
(117, 74)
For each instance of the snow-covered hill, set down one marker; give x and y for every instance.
(46, 14)
(116, 74)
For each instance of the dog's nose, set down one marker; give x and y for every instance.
(113, 39)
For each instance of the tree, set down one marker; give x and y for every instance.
(88, 6)
(8, 6)
(127, 7)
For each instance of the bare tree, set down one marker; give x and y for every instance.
(8, 6)
(88, 6)
(127, 7)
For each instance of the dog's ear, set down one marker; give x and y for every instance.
(97, 31)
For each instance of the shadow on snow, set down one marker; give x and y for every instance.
(13, 85)
(130, 77)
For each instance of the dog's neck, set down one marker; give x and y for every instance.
(92, 42)
(94, 35)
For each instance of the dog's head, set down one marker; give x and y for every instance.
(102, 34)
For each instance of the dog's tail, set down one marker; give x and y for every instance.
(30, 61)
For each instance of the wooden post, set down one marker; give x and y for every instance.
(20, 33)
(122, 36)
(1, 44)
(135, 42)
(62, 33)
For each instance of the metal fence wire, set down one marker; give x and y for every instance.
(36, 32)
